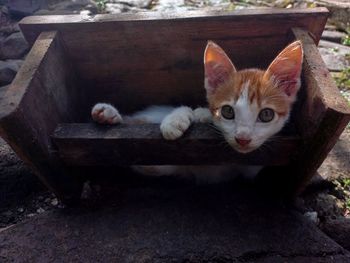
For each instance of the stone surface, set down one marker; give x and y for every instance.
(9, 29)
(21, 8)
(69, 7)
(337, 162)
(6, 75)
(326, 205)
(339, 9)
(333, 36)
(334, 55)
(13, 47)
(4, 15)
(172, 224)
(8, 70)
(339, 230)
(2, 92)
(116, 7)
(137, 3)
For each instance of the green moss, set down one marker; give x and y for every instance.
(343, 79)
(101, 5)
(346, 40)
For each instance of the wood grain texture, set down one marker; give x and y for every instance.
(91, 144)
(158, 58)
(322, 117)
(41, 95)
(321, 93)
(325, 112)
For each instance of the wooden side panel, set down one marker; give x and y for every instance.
(322, 118)
(320, 93)
(41, 96)
(325, 112)
(158, 58)
(91, 144)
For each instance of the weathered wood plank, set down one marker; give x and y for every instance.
(42, 94)
(321, 93)
(325, 112)
(158, 58)
(323, 115)
(89, 144)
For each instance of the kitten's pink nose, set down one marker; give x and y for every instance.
(243, 142)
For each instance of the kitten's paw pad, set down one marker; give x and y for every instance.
(176, 123)
(105, 114)
(202, 115)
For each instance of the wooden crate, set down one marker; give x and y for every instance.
(134, 60)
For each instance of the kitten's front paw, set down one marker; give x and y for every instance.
(105, 114)
(202, 115)
(176, 123)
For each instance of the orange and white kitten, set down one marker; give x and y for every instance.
(248, 106)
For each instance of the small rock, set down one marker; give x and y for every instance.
(318, 182)
(138, 3)
(334, 55)
(21, 8)
(40, 210)
(6, 75)
(14, 47)
(328, 205)
(71, 7)
(9, 29)
(339, 10)
(341, 49)
(312, 216)
(85, 12)
(47, 200)
(116, 8)
(333, 36)
(3, 90)
(40, 197)
(54, 202)
(4, 15)
(20, 210)
(8, 71)
(30, 215)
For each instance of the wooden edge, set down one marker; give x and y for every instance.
(183, 15)
(31, 108)
(12, 97)
(323, 117)
(328, 91)
(44, 23)
(86, 144)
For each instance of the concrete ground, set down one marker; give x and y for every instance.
(172, 224)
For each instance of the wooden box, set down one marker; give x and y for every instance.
(134, 60)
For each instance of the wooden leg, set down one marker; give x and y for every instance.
(41, 96)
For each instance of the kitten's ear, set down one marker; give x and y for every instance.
(217, 67)
(286, 69)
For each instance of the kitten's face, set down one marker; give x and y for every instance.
(250, 106)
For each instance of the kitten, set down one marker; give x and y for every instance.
(247, 106)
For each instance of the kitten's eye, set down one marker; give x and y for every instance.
(266, 115)
(227, 112)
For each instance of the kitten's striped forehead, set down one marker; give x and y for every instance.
(251, 83)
